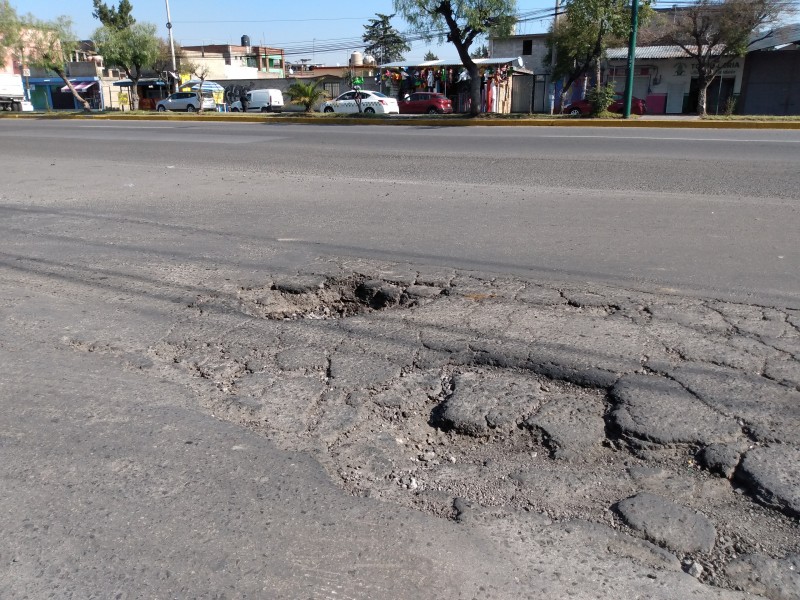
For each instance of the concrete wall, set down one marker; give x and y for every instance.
(771, 84)
(514, 46)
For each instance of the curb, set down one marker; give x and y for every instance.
(424, 122)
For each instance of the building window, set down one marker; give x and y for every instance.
(527, 47)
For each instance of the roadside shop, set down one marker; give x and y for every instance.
(150, 91)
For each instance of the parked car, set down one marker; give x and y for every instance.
(371, 103)
(425, 102)
(584, 107)
(187, 101)
(266, 100)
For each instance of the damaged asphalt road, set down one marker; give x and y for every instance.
(191, 415)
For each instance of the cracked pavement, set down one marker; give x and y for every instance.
(505, 404)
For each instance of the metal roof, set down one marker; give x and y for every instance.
(647, 52)
(777, 38)
(144, 81)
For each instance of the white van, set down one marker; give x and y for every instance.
(261, 101)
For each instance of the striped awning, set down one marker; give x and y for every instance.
(80, 86)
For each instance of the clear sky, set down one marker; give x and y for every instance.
(308, 29)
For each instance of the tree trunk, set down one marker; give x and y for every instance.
(474, 90)
(702, 92)
(200, 96)
(563, 99)
(78, 97)
(134, 93)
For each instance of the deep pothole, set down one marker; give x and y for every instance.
(318, 298)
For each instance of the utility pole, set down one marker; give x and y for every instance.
(553, 60)
(172, 50)
(626, 112)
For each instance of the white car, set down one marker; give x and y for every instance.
(187, 101)
(371, 103)
(262, 100)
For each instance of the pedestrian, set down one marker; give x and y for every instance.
(243, 100)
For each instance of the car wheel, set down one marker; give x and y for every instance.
(190, 108)
(369, 111)
(264, 109)
(161, 108)
(234, 109)
(575, 112)
(328, 109)
(433, 111)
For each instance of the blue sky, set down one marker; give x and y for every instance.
(304, 29)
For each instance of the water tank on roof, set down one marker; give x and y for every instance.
(369, 60)
(356, 59)
(246, 41)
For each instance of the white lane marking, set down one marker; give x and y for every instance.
(129, 126)
(661, 139)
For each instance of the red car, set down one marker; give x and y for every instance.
(584, 107)
(425, 102)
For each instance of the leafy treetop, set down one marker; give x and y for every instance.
(118, 18)
(383, 41)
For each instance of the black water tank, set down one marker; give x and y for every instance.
(246, 40)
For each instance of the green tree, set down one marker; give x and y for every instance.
(462, 21)
(713, 33)
(9, 30)
(118, 18)
(383, 41)
(306, 94)
(133, 50)
(430, 56)
(49, 45)
(480, 52)
(580, 38)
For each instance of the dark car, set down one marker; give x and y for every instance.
(425, 102)
(584, 107)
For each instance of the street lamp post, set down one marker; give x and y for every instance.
(626, 107)
(172, 50)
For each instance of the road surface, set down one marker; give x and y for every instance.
(284, 361)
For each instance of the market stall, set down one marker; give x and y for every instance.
(452, 80)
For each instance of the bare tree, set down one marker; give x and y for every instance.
(713, 33)
(200, 72)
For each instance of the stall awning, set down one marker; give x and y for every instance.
(515, 61)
